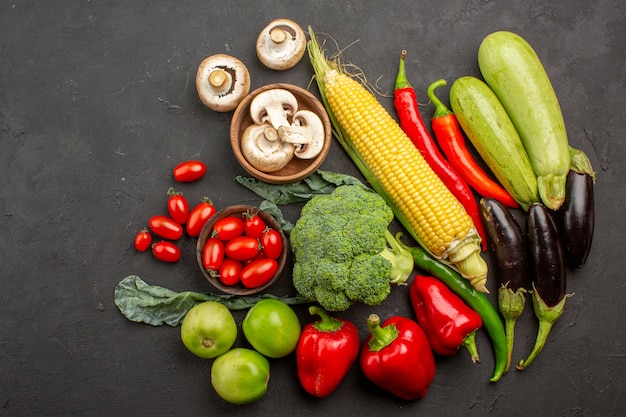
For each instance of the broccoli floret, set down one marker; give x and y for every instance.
(344, 252)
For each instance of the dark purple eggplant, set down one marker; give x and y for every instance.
(507, 243)
(576, 218)
(547, 266)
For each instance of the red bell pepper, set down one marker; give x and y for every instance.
(405, 103)
(325, 352)
(448, 322)
(396, 356)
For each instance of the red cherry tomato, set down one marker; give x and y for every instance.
(242, 248)
(228, 228)
(166, 251)
(189, 171)
(230, 272)
(254, 226)
(213, 254)
(143, 240)
(177, 206)
(258, 272)
(198, 217)
(166, 227)
(272, 244)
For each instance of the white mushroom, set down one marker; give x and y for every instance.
(306, 132)
(281, 44)
(222, 82)
(262, 149)
(273, 106)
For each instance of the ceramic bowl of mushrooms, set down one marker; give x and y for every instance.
(280, 133)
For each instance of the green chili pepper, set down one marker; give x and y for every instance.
(475, 299)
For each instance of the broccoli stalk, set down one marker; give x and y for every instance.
(401, 260)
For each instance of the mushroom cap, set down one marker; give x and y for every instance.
(222, 82)
(281, 44)
(308, 126)
(273, 106)
(262, 150)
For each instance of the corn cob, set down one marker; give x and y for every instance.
(375, 141)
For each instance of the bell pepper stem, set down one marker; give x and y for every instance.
(470, 344)
(381, 336)
(547, 317)
(327, 323)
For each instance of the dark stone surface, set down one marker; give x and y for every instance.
(98, 103)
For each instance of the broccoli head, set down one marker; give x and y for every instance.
(344, 252)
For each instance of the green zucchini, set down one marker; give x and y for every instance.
(489, 128)
(514, 72)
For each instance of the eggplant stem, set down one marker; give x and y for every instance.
(509, 330)
(547, 317)
(540, 342)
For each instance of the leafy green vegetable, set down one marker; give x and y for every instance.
(154, 305)
(320, 182)
(277, 213)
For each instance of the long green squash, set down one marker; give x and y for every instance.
(490, 130)
(514, 72)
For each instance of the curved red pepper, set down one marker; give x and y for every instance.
(450, 137)
(447, 321)
(325, 352)
(405, 103)
(397, 357)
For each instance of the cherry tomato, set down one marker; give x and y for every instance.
(143, 240)
(258, 272)
(242, 248)
(177, 206)
(254, 226)
(230, 271)
(213, 254)
(228, 228)
(198, 217)
(189, 171)
(166, 227)
(272, 244)
(166, 251)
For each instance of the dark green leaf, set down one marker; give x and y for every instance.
(320, 182)
(277, 213)
(154, 305)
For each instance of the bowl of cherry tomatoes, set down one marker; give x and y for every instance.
(242, 250)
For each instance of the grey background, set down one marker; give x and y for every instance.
(98, 103)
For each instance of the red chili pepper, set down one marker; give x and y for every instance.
(397, 357)
(448, 322)
(452, 142)
(325, 353)
(405, 103)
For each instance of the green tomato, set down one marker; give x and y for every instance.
(208, 329)
(272, 328)
(240, 376)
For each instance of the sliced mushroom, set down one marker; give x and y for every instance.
(281, 44)
(273, 106)
(262, 149)
(306, 132)
(222, 82)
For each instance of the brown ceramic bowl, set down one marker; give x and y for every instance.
(296, 169)
(240, 210)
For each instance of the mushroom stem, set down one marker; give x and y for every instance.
(270, 134)
(278, 35)
(218, 78)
